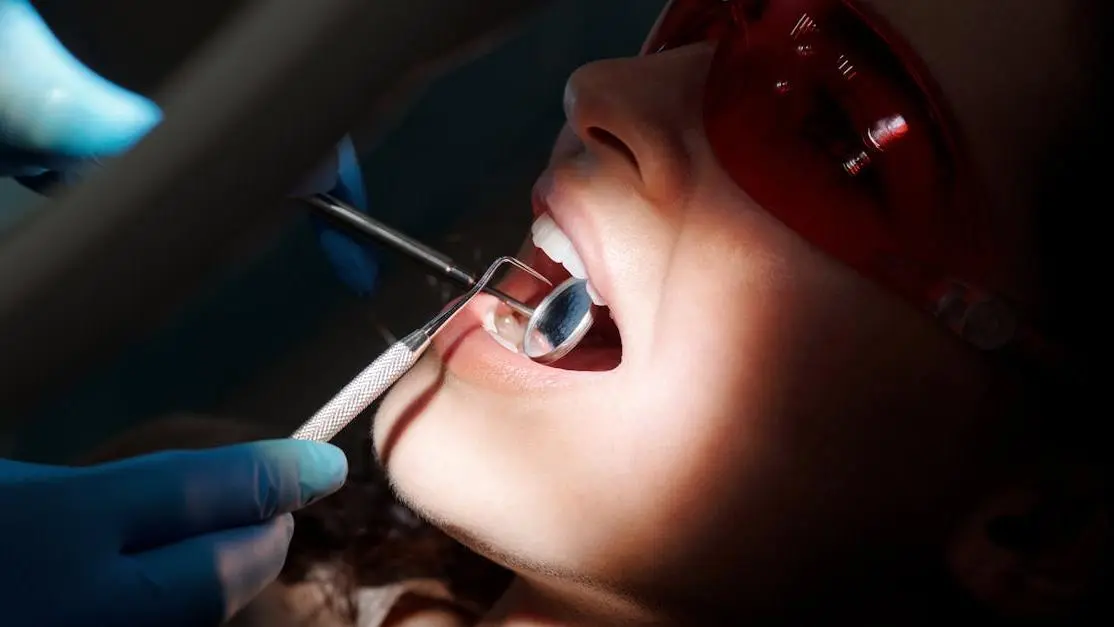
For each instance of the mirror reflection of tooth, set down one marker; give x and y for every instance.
(505, 326)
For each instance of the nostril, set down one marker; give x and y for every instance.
(611, 140)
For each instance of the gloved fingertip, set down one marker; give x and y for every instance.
(322, 467)
(350, 183)
(286, 523)
(356, 265)
(121, 118)
(54, 102)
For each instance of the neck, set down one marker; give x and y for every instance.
(537, 602)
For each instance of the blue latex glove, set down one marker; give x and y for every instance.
(56, 114)
(54, 111)
(180, 538)
(355, 262)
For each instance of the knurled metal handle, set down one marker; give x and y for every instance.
(362, 391)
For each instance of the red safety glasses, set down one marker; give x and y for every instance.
(829, 121)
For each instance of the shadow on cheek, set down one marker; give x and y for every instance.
(419, 404)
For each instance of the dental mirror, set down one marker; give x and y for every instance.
(559, 322)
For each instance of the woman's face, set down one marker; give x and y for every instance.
(773, 412)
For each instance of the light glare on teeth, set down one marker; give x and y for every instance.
(557, 246)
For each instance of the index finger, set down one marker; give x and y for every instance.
(167, 497)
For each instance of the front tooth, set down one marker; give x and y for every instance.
(543, 227)
(575, 266)
(557, 246)
(595, 296)
(551, 239)
(562, 252)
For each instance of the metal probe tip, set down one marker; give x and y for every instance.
(354, 220)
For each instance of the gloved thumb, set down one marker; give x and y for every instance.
(53, 105)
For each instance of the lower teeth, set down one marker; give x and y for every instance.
(505, 326)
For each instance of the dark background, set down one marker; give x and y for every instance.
(277, 334)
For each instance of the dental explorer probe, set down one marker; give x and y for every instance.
(556, 326)
(389, 367)
(350, 217)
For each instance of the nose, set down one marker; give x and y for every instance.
(642, 110)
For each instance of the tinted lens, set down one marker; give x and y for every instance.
(828, 122)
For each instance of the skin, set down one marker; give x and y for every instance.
(779, 430)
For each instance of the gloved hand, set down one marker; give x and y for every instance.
(56, 115)
(181, 538)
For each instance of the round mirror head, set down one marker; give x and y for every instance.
(559, 322)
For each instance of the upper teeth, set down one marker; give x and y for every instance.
(557, 246)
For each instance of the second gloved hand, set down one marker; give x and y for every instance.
(184, 538)
(57, 115)
(55, 112)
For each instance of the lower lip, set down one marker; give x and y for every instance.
(471, 354)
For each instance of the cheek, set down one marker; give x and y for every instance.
(809, 384)
(700, 406)
(729, 287)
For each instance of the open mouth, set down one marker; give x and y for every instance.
(553, 255)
